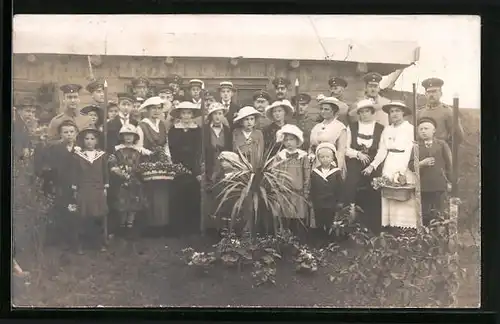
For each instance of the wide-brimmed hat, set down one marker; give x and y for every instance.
(129, 129)
(279, 103)
(153, 101)
(326, 145)
(216, 106)
(364, 103)
(185, 105)
(88, 129)
(398, 104)
(229, 156)
(245, 112)
(290, 129)
(334, 102)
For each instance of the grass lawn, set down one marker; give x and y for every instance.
(149, 272)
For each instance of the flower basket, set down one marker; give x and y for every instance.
(402, 193)
(156, 175)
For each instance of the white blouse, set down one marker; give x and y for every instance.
(396, 145)
(364, 129)
(324, 132)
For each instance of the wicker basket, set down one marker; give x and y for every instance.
(397, 193)
(156, 175)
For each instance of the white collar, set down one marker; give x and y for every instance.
(221, 125)
(226, 102)
(325, 176)
(179, 124)
(301, 153)
(155, 126)
(135, 147)
(247, 134)
(98, 153)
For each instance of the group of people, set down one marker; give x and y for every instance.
(331, 160)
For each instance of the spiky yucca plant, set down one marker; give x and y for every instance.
(262, 187)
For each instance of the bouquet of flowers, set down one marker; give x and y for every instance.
(159, 167)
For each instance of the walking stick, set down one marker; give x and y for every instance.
(105, 144)
(416, 160)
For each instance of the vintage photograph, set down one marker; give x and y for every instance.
(246, 161)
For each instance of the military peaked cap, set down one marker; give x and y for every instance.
(71, 88)
(432, 83)
(335, 81)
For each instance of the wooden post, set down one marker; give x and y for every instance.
(105, 144)
(203, 204)
(416, 160)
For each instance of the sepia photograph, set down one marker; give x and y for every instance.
(328, 161)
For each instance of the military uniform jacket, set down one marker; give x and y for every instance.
(443, 115)
(81, 122)
(306, 124)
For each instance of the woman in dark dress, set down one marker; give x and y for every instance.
(363, 138)
(152, 136)
(278, 113)
(185, 141)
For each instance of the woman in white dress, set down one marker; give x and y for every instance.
(330, 130)
(395, 150)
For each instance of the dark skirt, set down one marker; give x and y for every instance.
(157, 193)
(186, 205)
(91, 200)
(130, 198)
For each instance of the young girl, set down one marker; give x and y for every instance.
(185, 142)
(95, 114)
(130, 197)
(277, 113)
(326, 188)
(90, 182)
(295, 162)
(246, 139)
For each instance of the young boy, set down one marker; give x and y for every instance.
(125, 105)
(24, 114)
(112, 110)
(295, 162)
(435, 169)
(61, 156)
(325, 188)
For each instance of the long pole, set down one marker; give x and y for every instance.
(454, 200)
(416, 160)
(105, 144)
(203, 205)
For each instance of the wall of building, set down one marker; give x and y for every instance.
(248, 76)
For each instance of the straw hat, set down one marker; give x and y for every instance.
(334, 102)
(229, 156)
(245, 112)
(398, 104)
(279, 103)
(364, 103)
(129, 129)
(153, 101)
(290, 129)
(215, 107)
(185, 105)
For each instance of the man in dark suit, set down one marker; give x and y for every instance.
(23, 115)
(125, 105)
(226, 91)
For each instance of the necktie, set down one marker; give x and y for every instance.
(292, 155)
(428, 144)
(216, 126)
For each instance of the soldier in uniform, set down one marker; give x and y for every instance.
(301, 118)
(261, 100)
(439, 112)
(337, 87)
(281, 86)
(71, 99)
(96, 89)
(372, 89)
(226, 91)
(174, 81)
(140, 87)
